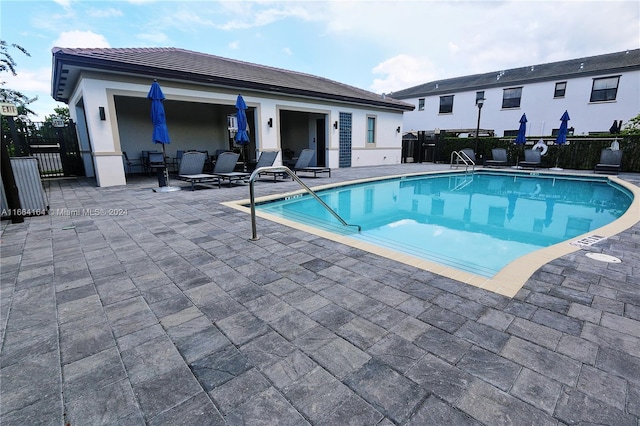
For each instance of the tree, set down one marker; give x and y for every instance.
(8, 64)
(60, 112)
(632, 127)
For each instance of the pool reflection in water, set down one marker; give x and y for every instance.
(477, 223)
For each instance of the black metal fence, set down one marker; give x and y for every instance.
(56, 148)
(580, 153)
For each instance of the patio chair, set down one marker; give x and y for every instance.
(304, 161)
(156, 161)
(224, 169)
(191, 167)
(499, 158)
(266, 159)
(145, 160)
(130, 164)
(175, 162)
(531, 159)
(610, 161)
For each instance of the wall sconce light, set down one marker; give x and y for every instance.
(270, 122)
(335, 125)
(103, 116)
(398, 129)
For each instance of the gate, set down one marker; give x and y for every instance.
(56, 148)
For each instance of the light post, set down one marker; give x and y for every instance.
(479, 102)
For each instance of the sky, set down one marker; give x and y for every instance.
(380, 46)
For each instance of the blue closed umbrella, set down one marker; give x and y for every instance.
(242, 137)
(160, 131)
(561, 139)
(522, 131)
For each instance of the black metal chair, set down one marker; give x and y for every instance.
(130, 164)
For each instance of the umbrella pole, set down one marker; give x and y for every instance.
(166, 188)
(164, 161)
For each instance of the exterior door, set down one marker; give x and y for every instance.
(321, 144)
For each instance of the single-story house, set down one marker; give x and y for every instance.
(594, 90)
(106, 91)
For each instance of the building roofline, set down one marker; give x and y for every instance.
(209, 70)
(580, 67)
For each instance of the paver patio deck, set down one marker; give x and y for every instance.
(168, 314)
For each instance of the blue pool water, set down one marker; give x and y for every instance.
(477, 222)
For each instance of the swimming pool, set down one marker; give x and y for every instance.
(470, 226)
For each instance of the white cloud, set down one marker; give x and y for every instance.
(287, 51)
(185, 19)
(402, 71)
(77, 38)
(30, 80)
(462, 38)
(104, 13)
(64, 3)
(34, 83)
(154, 37)
(246, 16)
(234, 45)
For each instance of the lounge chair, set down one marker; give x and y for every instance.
(304, 161)
(267, 158)
(469, 153)
(191, 166)
(610, 161)
(223, 169)
(531, 159)
(499, 158)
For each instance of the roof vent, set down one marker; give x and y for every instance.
(384, 96)
(581, 65)
(533, 67)
(436, 85)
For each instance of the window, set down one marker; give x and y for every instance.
(421, 104)
(446, 104)
(511, 97)
(371, 130)
(560, 89)
(604, 89)
(479, 95)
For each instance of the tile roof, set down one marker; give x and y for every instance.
(593, 65)
(190, 66)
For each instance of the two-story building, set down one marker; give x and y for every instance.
(594, 90)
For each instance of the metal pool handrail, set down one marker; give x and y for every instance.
(462, 156)
(256, 173)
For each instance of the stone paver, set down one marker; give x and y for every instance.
(170, 314)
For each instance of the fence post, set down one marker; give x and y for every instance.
(9, 182)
